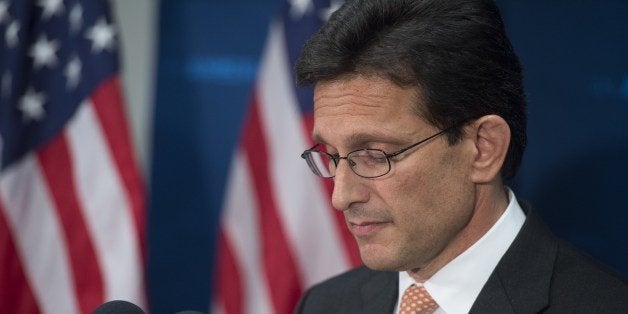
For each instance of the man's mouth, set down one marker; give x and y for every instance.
(366, 228)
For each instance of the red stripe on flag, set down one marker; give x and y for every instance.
(229, 283)
(351, 246)
(57, 166)
(280, 269)
(15, 293)
(109, 108)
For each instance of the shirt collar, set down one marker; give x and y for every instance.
(456, 286)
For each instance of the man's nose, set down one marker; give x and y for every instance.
(348, 188)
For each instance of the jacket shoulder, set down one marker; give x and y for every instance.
(542, 273)
(580, 283)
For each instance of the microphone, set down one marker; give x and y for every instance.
(118, 307)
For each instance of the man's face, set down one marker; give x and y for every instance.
(402, 220)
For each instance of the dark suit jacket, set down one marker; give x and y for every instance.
(538, 273)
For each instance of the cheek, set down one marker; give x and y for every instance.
(409, 197)
(427, 192)
(415, 189)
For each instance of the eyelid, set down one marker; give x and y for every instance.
(386, 147)
(364, 145)
(353, 149)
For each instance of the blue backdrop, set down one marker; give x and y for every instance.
(575, 169)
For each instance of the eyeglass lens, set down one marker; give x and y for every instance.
(365, 163)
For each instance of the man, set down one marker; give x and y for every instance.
(419, 116)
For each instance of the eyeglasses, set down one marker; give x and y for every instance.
(366, 163)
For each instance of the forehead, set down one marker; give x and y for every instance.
(372, 92)
(364, 106)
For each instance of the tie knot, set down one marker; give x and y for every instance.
(417, 300)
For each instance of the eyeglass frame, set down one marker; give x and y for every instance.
(336, 158)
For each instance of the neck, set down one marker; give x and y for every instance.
(490, 203)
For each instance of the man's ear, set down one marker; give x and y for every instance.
(491, 135)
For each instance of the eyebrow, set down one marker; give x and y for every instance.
(359, 139)
(317, 139)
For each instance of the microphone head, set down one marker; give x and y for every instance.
(118, 307)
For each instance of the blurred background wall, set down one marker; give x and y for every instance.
(188, 71)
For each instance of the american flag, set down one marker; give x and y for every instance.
(279, 233)
(71, 198)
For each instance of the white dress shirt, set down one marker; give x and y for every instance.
(456, 286)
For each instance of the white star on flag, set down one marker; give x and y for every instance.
(32, 105)
(44, 52)
(73, 72)
(11, 34)
(101, 36)
(51, 7)
(76, 18)
(298, 8)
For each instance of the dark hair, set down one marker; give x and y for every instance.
(456, 52)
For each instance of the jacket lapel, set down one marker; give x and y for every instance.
(522, 278)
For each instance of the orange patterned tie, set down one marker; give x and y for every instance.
(416, 300)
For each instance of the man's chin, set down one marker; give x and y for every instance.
(379, 260)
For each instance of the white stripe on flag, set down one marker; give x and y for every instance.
(241, 224)
(302, 204)
(106, 207)
(29, 207)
